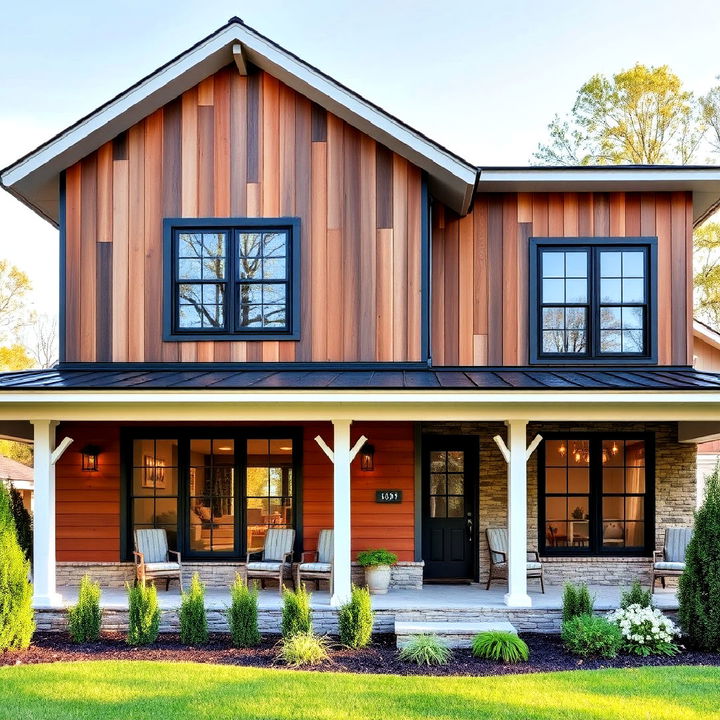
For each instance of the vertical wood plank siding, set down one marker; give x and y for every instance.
(493, 241)
(237, 146)
(88, 504)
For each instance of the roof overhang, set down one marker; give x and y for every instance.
(702, 181)
(302, 405)
(33, 179)
(706, 334)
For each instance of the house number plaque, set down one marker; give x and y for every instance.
(388, 496)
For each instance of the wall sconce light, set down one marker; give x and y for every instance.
(90, 458)
(367, 457)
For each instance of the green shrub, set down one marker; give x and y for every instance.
(425, 650)
(85, 618)
(576, 601)
(699, 592)
(143, 614)
(192, 616)
(355, 619)
(303, 648)
(498, 645)
(373, 558)
(243, 614)
(17, 622)
(646, 631)
(636, 596)
(296, 612)
(587, 636)
(23, 523)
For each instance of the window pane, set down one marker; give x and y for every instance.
(556, 534)
(456, 484)
(613, 508)
(634, 534)
(553, 341)
(613, 480)
(438, 461)
(556, 508)
(579, 453)
(144, 511)
(249, 246)
(575, 341)
(438, 507)
(556, 452)
(250, 316)
(610, 341)
(275, 244)
(610, 318)
(553, 291)
(613, 534)
(274, 315)
(610, 291)
(251, 294)
(553, 264)
(632, 341)
(553, 318)
(556, 480)
(635, 452)
(456, 461)
(274, 268)
(632, 318)
(633, 263)
(576, 264)
(575, 318)
(438, 484)
(610, 263)
(456, 507)
(578, 480)
(273, 294)
(576, 291)
(189, 269)
(166, 511)
(633, 291)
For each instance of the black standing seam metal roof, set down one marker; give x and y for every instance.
(348, 378)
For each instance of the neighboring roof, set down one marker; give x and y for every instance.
(304, 377)
(706, 333)
(14, 471)
(33, 179)
(702, 180)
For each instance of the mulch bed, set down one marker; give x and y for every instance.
(546, 655)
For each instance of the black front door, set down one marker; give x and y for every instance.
(450, 480)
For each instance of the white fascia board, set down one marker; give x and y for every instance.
(708, 336)
(203, 60)
(388, 405)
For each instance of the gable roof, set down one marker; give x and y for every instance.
(14, 471)
(33, 179)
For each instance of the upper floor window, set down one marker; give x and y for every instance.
(228, 278)
(592, 299)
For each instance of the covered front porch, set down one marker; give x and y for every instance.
(689, 410)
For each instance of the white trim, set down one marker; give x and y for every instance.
(342, 556)
(57, 453)
(454, 178)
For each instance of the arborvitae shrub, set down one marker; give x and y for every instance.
(636, 595)
(17, 621)
(576, 601)
(193, 619)
(296, 612)
(85, 618)
(243, 614)
(699, 592)
(355, 619)
(23, 522)
(143, 614)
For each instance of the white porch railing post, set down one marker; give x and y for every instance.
(517, 595)
(342, 569)
(45, 594)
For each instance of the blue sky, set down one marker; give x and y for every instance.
(483, 78)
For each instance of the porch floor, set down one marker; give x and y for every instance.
(431, 597)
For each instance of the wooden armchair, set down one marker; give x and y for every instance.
(670, 561)
(317, 564)
(275, 558)
(497, 539)
(152, 558)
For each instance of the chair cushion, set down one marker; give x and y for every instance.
(152, 543)
(278, 542)
(264, 566)
(531, 565)
(162, 567)
(315, 567)
(666, 565)
(498, 543)
(676, 542)
(325, 546)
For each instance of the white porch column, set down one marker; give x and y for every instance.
(45, 594)
(342, 568)
(517, 595)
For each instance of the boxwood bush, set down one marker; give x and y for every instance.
(588, 636)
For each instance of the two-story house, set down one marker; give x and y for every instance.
(256, 262)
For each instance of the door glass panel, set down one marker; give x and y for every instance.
(438, 507)
(455, 507)
(447, 484)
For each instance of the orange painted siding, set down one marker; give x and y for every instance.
(88, 504)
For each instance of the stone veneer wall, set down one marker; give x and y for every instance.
(405, 575)
(675, 495)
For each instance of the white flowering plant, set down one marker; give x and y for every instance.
(645, 630)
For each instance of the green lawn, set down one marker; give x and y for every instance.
(136, 690)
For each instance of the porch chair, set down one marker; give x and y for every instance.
(497, 539)
(670, 561)
(275, 558)
(317, 564)
(152, 558)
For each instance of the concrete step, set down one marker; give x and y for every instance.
(453, 634)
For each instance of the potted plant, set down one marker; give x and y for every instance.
(377, 569)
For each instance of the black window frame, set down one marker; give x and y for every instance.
(184, 434)
(594, 245)
(232, 226)
(595, 546)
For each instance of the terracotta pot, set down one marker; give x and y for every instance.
(377, 578)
